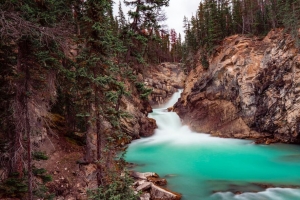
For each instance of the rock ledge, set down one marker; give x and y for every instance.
(149, 184)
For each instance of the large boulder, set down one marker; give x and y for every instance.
(143, 176)
(148, 125)
(158, 193)
(137, 124)
(145, 196)
(251, 90)
(144, 186)
(148, 184)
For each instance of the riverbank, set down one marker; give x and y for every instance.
(213, 168)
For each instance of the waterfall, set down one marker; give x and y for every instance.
(203, 167)
(172, 100)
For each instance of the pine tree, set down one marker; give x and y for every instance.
(237, 16)
(173, 35)
(36, 44)
(201, 27)
(145, 17)
(121, 17)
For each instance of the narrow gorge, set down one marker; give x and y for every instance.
(248, 92)
(111, 100)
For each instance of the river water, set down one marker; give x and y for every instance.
(208, 168)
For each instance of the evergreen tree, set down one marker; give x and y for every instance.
(36, 32)
(173, 35)
(145, 18)
(237, 16)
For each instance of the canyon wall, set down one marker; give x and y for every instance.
(250, 90)
(164, 80)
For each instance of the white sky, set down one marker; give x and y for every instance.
(175, 12)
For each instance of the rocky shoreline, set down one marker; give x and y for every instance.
(149, 185)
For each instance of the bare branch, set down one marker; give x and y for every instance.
(14, 27)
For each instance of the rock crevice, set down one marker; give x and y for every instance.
(164, 80)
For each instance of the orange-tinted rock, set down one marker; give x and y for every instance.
(148, 125)
(250, 90)
(157, 181)
(170, 109)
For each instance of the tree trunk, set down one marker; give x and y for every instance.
(243, 31)
(28, 130)
(22, 117)
(17, 160)
(99, 139)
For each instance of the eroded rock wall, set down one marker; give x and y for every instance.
(164, 80)
(251, 90)
(138, 124)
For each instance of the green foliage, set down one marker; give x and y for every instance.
(129, 74)
(204, 62)
(40, 172)
(13, 187)
(33, 38)
(144, 92)
(118, 189)
(46, 178)
(215, 20)
(42, 192)
(38, 155)
(112, 96)
(144, 38)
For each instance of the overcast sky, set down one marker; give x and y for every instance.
(175, 12)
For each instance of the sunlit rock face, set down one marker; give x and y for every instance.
(164, 80)
(251, 90)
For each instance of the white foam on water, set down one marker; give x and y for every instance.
(170, 130)
(172, 101)
(172, 133)
(269, 194)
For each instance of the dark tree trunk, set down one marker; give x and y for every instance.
(28, 130)
(22, 117)
(99, 140)
(17, 160)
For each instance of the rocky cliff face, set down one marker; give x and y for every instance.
(164, 80)
(251, 90)
(138, 125)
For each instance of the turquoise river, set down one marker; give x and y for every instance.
(201, 167)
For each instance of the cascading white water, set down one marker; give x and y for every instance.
(172, 100)
(203, 167)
